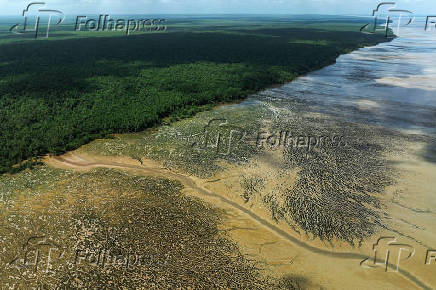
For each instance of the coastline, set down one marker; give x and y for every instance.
(167, 120)
(162, 150)
(253, 78)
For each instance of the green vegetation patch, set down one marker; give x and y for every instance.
(57, 95)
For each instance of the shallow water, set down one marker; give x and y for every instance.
(392, 84)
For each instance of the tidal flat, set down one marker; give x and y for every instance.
(291, 188)
(326, 202)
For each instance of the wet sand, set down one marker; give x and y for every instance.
(381, 185)
(331, 265)
(313, 213)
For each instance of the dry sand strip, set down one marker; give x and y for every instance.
(73, 161)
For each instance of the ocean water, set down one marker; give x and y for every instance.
(392, 84)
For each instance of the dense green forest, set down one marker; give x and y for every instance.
(56, 95)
